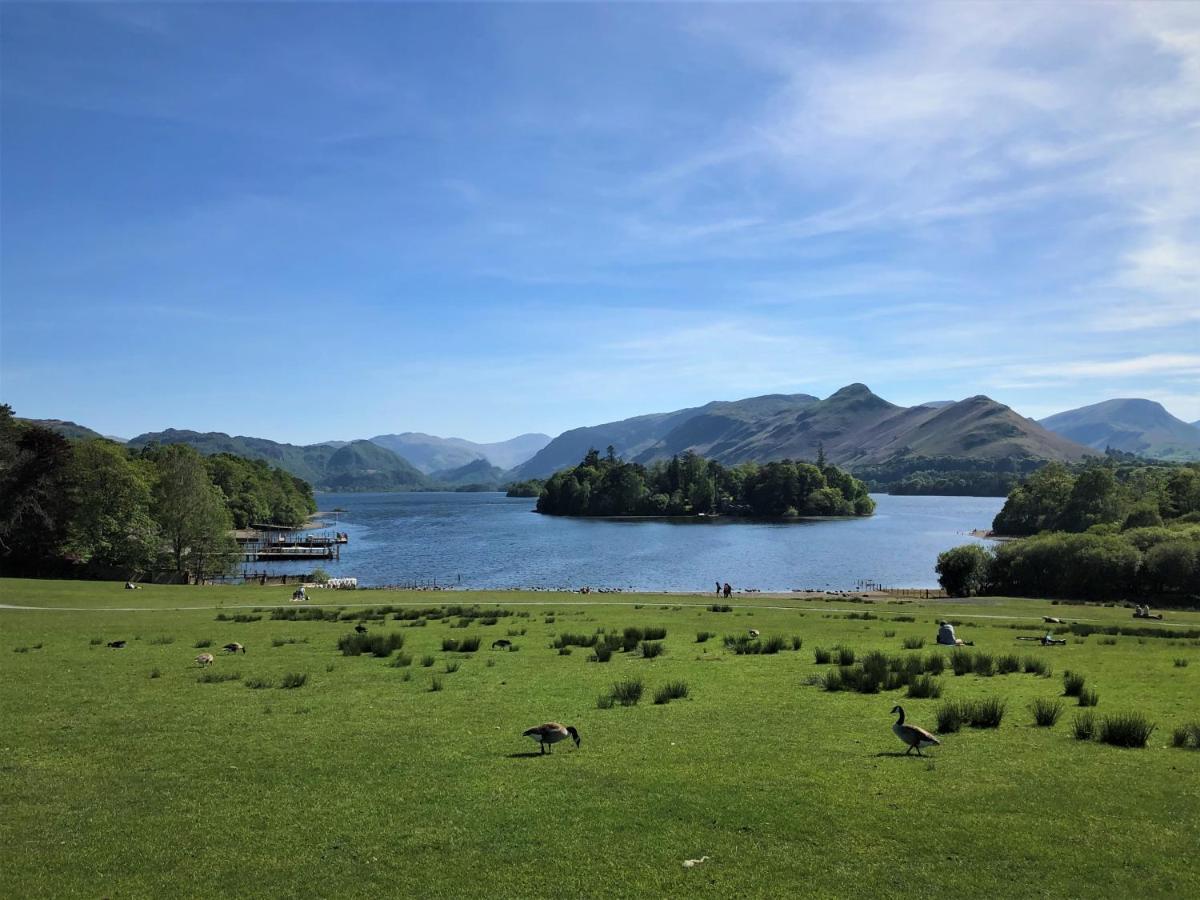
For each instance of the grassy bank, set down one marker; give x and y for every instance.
(125, 775)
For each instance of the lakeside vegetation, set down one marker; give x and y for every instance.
(690, 485)
(1109, 530)
(294, 740)
(94, 508)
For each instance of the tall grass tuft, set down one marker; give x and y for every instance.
(435, 685)
(380, 645)
(924, 686)
(402, 661)
(950, 715)
(1126, 729)
(822, 657)
(605, 701)
(703, 636)
(630, 638)
(566, 639)
(628, 693)
(200, 645)
(1084, 726)
(651, 649)
(797, 642)
(427, 660)
(452, 667)
(1035, 666)
(1046, 712)
(601, 654)
(1180, 662)
(960, 661)
(913, 643)
(1072, 684)
(1088, 697)
(986, 713)
(293, 680)
(983, 664)
(672, 690)
(1008, 664)
(211, 677)
(935, 664)
(655, 634)
(257, 684)
(845, 656)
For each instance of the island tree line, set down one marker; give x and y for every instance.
(94, 508)
(690, 485)
(1109, 530)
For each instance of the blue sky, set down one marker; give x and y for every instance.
(316, 221)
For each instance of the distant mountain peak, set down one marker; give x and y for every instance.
(1131, 424)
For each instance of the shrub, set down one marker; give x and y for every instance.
(449, 645)
(703, 636)
(924, 686)
(1084, 726)
(200, 645)
(1088, 697)
(402, 661)
(983, 664)
(773, 644)
(963, 571)
(1046, 712)
(845, 656)
(257, 684)
(913, 643)
(651, 649)
(468, 645)
(566, 639)
(427, 661)
(986, 713)
(452, 667)
(211, 677)
(822, 656)
(960, 661)
(380, 645)
(628, 693)
(672, 690)
(797, 642)
(1037, 666)
(1126, 729)
(435, 684)
(407, 676)
(655, 634)
(631, 637)
(1008, 664)
(950, 716)
(601, 654)
(1072, 684)
(935, 664)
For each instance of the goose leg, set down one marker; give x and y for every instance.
(919, 753)
(909, 750)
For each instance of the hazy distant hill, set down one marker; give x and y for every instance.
(69, 430)
(356, 466)
(431, 453)
(1133, 425)
(478, 472)
(853, 425)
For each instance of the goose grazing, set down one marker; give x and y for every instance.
(502, 644)
(360, 628)
(233, 647)
(913, 735)
(753, 632)
(204, 659)
(550, 734)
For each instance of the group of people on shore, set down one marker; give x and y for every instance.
(724, 590)
(1143, 612)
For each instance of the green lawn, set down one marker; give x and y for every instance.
(361, 783)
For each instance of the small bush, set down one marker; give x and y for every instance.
(773, 644)
(631, 637)
(427, 661)
(1088, 697)
(601, 654)
(655, 634)
(986, 713)
(651, 649)
(211, 677)
(257, 684)
(983, 664)
(960, 661)
(1035, 666)
(1126, 729)
(923, 686)
(822, 657)
(889, 634)
(672, 690)
(1046, 712)
(435, 685)
(628, 693)
(564, 651)
(452, 667)
(703, 636)
(935, 664)
(1084, 726)
(566, 639)
(913, 643)
(1180, 736)
(200, 645)
(950, 715)
(797, 642)
(402, 661)
(1072, 684)
(845, 656)
(1008, 664)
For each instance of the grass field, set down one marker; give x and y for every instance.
(126, 776)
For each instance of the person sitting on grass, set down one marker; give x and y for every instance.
(947, 637)
(1050, 639)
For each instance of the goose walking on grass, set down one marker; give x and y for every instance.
(913, 735)
(551, 733)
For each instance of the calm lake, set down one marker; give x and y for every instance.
(492, 541)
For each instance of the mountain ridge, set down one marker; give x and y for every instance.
(1131, 424)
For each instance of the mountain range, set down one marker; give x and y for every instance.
(431, 454)
(854, 427)
(1133, 425)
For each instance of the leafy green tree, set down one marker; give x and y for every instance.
(35, 496)
(111, 525)
(190, 511)
(1174, 565)
(963, 571)
(1095, 499)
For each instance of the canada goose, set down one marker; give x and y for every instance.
(204, 659)
(116, 645)
(754, 632)
(912, 735)
(234, 647)
(551, 733)
(502, 644)
(360, 628)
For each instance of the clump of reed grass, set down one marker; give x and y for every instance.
(402, 661)
(1186, 735)
(924, 686)
(797, 642)
(1035, 666)
(821, 656)
(200, 645)
(601, 654)
(211, 677)
(96, 642)
(950, 716)
(1008, 664)
(913, 643)
(378, 645)
(605, 701)
(1073, 684)
(257, 684)
(427, 660)
(566, 639)
(960, 661)
(935, 664)
(564, 651)
(293, 680)
(1045, 711)
(452, 667)
(655, 634)
(435, 685)
(986, 713)
(889, 634)
(1126, 729)
(1084, 726)
(1180, 662)
(628, 692)
(672, 690)
(845, 656)
(983, 664)
(703, 636)
(651, 649)
(720, 607)
(162, 640)
(1088, 697)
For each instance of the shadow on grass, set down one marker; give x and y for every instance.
(527, 755)
(901, 753)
